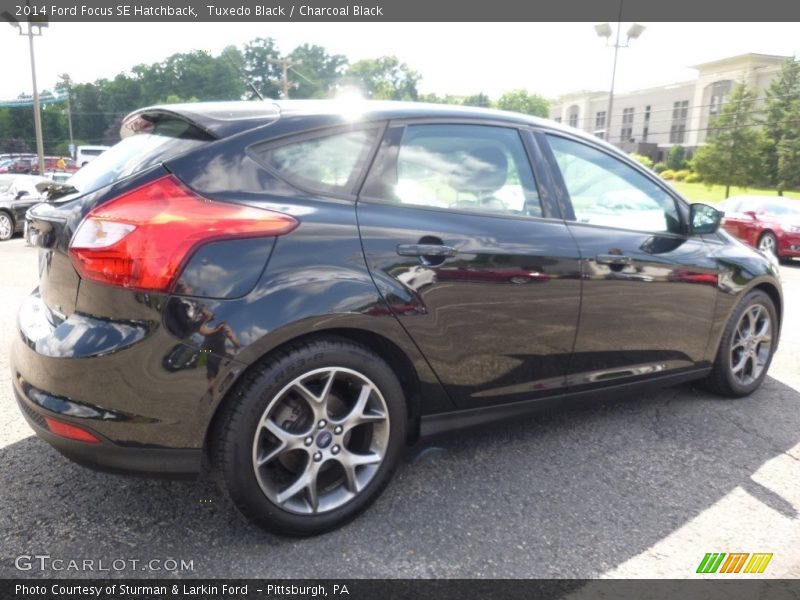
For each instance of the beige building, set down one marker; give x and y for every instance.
(652, 120)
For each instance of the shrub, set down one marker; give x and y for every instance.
(693, 178)
(660, 167)
(676, 158)
(681, 175)
(668, 174)
(645, 160)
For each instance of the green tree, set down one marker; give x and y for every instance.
(262, 73)
(89, 121)
(480, 99)
(676, 158)
(731, 157)
(788, 150)
(523, 102)
(318, 72)
(434, 98)
(781, 99)
(384, 78)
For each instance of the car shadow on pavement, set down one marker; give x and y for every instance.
(568, 493)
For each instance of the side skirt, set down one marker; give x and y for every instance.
(435, 424)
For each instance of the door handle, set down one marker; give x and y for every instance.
(424, 250)
(613, 259)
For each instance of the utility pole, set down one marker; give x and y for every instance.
(68, 82)
(285, 64)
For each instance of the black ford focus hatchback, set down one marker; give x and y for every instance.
(289, 293)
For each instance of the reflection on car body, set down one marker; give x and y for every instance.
(288, 293)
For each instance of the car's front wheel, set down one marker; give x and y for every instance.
(311, 436)
(747, 346)
(768, 243)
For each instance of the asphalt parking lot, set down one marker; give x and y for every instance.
(641, 487)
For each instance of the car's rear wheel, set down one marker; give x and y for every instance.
(6, 226)
(747, 346)
(768, 243)
(311, 436)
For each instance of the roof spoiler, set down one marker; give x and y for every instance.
(155, 120)
(200, 120)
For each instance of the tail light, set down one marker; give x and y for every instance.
(141, 239)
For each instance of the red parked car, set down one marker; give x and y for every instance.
(768, 223)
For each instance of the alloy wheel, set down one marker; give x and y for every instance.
(6, 228)
(321, 440)
(752, 343)
(767, 244)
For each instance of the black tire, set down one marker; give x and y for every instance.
(722, 380)
(768, 243)
(262, 392)
(6, 226)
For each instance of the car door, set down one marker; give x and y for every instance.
(649, 289)
(482, 274)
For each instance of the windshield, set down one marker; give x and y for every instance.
(783, 209)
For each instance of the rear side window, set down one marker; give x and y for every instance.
(329, 162)
(478, 168)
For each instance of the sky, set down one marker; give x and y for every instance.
(453, 58)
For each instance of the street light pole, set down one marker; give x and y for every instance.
(604, 30)
(613, 78)
(37, 116)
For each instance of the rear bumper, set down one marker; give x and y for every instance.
(106, 455)
(115, 380)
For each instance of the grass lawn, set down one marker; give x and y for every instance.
(700, 192)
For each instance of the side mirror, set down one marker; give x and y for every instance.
(21, 194)
(751, 214)
(704, 218)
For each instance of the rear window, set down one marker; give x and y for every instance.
(160, 142)
(328, 162)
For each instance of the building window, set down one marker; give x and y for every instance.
(644, 134)
(573, 116)
(600, 120)
(557, 119)
(680, 113)
(646, 123)
(676, 134)
(627, 124)
(719, 94)
(680, 110)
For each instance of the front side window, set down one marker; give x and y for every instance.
(328, 162)
(606, 191)
(461, 167)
